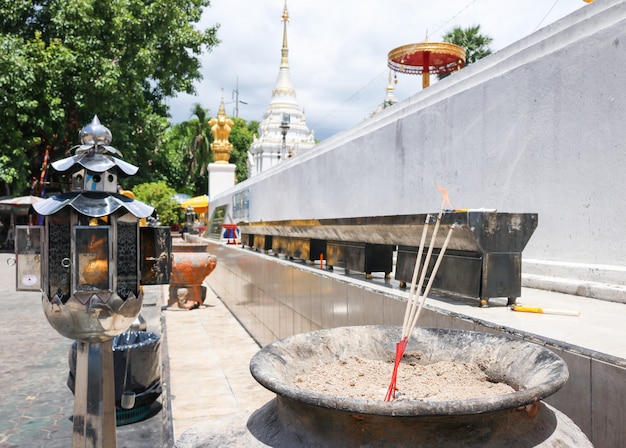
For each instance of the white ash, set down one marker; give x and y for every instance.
(368, 379)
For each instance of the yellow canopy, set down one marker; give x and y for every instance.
(198, 203)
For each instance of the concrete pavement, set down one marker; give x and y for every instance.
(208, 355)
(205, 377)
(36, 405)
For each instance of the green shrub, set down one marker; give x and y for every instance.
(159, 195)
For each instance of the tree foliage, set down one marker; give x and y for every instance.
(63, 61)
(184, 153)
(241, 137)
(476, 45)
(169, 162)
(159, 195)
(198, 152)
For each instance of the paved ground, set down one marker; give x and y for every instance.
(36, 404)
(205, 378)
(208, 356)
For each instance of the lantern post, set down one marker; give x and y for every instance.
(92, 263)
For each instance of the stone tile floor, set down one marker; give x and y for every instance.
(36, 405)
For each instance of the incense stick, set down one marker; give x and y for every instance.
(432, 277)
(411, 300)
(411, 312)
(433, 239)
(541, 310)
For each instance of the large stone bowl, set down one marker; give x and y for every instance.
(298, 417)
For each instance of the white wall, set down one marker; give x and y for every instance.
(537, 127)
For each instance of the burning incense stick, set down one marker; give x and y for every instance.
(433, 239)
(411, 300)
(408, 314)
(411, 303)
(412, 311)
(407, 330)
(432, 277)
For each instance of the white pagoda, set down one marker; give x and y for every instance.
(390, 98)
(283, 132)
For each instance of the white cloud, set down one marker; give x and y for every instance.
(338, 50)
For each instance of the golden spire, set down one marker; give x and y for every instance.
(390, 87)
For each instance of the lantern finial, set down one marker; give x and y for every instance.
(95, 133)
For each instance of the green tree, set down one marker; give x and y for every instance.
(159, 195)
(169, 163)
(241, 136)
(183, 155)
(180, 144)
(476, 45)
(198, 152)
(62, 61)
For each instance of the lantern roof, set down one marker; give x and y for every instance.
(94, 161)
(95, 153)
(93, 194)
(93, 204)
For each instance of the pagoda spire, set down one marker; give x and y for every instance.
(283, 129)
(284, 86)
(285, 49)
(390, 98)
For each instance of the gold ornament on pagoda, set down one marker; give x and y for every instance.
(220, 128)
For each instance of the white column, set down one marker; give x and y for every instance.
(221, 178)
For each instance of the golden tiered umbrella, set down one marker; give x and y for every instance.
(425, 58)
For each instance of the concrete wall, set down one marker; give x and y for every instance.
(536, 127)
(274, 298)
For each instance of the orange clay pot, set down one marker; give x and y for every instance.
(191, 267)
(191, 264)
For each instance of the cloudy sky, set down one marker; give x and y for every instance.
(338, 50)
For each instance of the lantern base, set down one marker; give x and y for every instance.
(94, 319)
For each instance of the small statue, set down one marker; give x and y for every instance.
(220, 128)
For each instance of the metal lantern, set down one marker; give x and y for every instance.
(190, 219)
(94, 258)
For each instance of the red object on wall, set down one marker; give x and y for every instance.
(231, 233)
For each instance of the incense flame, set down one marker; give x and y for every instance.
(446, 199)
